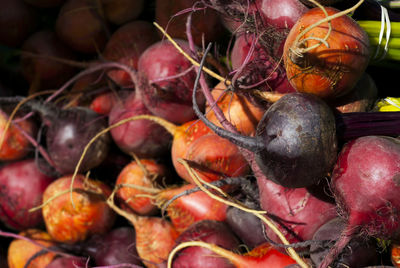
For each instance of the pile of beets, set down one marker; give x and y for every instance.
(196, 133)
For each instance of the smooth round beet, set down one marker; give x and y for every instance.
(297, 212)
(241, 222)
(122, 11)
(80, 25)
(22, 185)
(126, 45)
(18, 20)
(214, 232)
(299, 137)
(67, 134)
(166, 82)
(142, 137)
(116, 247)
(69, 222)
(45, 3)
(67, 262)
(205, 24)
(281, 14)
(43, 71)
(360, 252)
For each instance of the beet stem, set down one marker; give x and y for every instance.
(334, 251)
(353, 125)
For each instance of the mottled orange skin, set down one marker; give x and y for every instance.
(20, 251)
(191, 208)
(91, 214)
(215, 157)
(237, 109)
(15, 145)
(395, 255)
(327, 72)
(155, 238)
(133, 174)
(184, 137)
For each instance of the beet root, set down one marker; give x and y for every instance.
(366, 182)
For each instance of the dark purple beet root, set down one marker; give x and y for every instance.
(361, 251)
(241, 222)
(116, 247)
(295, 143)
(68, 131)
(299, 137)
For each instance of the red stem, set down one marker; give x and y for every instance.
(340, 244)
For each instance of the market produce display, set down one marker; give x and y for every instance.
(199, 133)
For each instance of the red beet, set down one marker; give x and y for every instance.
(43, 71)
(121, 11)
(45, 3)
(21, 188)
(17, 21)
(166, 82)
(260, 70)
(67, 262)
(366, 184)
(126, 44)
(80, 25)
(281, 14)
(205, 23)
(214, 232)
(298, 213)
(116, 247)
(142, 137)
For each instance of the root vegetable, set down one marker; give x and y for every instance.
(365, 187)
(88, 214)
(22, 185)
(326, 59)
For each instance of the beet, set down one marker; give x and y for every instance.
(261, 71)
(126, 44)
(142, 137)
(298, 213)
(67, 262)
(46, 72)
(116, 247)
(22, 185)
(295, 143)
(166, 82)
(122, 11)
(214, 232)
(88, 37)
(241, 222)
(18, 20)
(361, 251)
(366, 185)
(205, 24)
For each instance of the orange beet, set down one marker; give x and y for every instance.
(135, 175)
(15, 146)
(237, 109)
(20, 251)
(191, 208)
(91, 213)
(327, 72)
